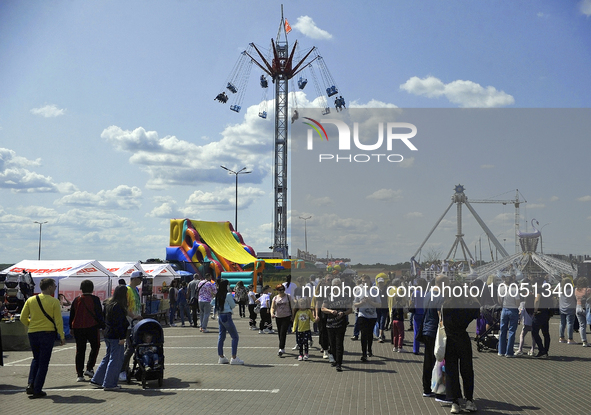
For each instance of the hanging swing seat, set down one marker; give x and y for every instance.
(302, 82)
(233, 89)
(326, 111)
(332, 91)
(264, 82)
(263, 114)
(235, 108)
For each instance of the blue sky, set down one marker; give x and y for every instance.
(108, 126)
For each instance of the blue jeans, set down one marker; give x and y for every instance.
(509, 320)
(172, 313)
(417, 320)
(582, 317)
(108, 371)
(382, 315)
(204, 311)
(566, 320)
(41, 345)
(227, 325)
(184, 309)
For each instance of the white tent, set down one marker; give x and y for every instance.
(163, 275)
(68, 275)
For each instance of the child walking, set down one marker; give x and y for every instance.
(398, 325)
(301, 326)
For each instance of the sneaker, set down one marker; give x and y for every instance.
(428, 394)
(123, 377)
(541, 356)
(331, 358)
(271, 331)
(401, 350)
(261, 332)
(223, 360)
(295, 347)
(571, 342)
(236, 361)
(455, 408)
(96, 385)
(395, 349)
(80, 379)
(380, 340)
(113, 389)
(305, 357)
(470, 406)
(89, 373)
(355, 338)
(531, 352)
(205, 331)
(267, 331)
(173, 325)
(364, 358)
(182, 324)
(443, 400)
(561, 340)
(339, 368)
(518, 353)
(325, 355)
(585, 344)
(509, 355)
(300, 358)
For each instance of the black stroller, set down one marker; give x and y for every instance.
(489, 339)
(148, 358)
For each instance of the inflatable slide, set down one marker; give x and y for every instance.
(214, 243)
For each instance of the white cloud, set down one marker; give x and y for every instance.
(384, 195)
(487, 166)
(15, 176)
(307, 27)
(585, 7)
(584, 199)
(371, 104)
(320, 201)
(466, 94)
(407, 162)
(554, 199)
(224, 199)
(536, 206)
(88, 219)
(48, 111)
(121, 197)
(167, 209)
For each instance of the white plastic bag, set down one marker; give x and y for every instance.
(438, 378)
(440, 342)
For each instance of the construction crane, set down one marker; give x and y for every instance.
(515, 202)
(460, 198)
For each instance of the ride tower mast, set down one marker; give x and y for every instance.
(281, 70)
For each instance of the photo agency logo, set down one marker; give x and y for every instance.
(374, 152)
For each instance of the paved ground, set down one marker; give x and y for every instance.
(388, 383)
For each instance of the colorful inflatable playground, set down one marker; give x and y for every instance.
(216, 248)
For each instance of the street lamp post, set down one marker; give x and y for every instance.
(305, 232)
(40, 227)
(542, 240)
(236, 173)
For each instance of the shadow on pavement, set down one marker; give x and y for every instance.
(487, 406)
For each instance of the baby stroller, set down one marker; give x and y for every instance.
(148, 358)
(489, 339)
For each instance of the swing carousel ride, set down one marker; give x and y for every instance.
(280, 65)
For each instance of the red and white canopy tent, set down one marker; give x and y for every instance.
(68, 274)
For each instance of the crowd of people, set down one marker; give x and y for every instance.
(311, 307)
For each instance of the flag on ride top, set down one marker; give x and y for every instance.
(287, 27)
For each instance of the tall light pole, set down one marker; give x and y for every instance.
(306, 231)
(236, 173)
(40, 227)
(542, 240)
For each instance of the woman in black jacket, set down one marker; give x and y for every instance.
(107, 374)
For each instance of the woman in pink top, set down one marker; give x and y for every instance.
(582, 292)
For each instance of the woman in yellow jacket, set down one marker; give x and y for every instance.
(42, 314)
